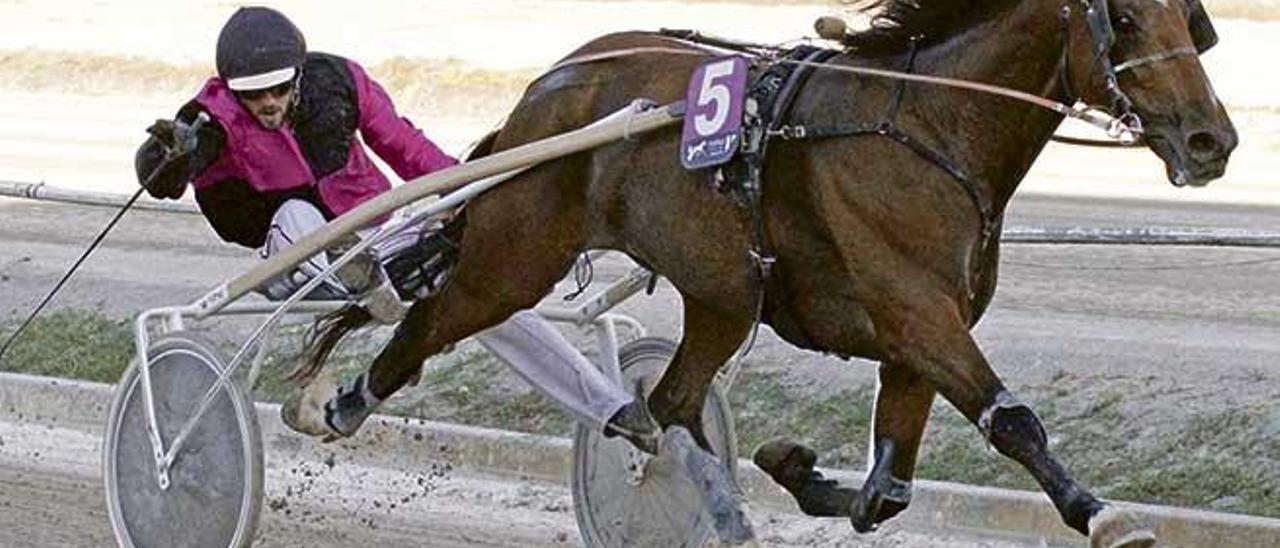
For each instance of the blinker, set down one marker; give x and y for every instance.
(1203, 35)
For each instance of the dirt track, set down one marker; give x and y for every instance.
(53, 498)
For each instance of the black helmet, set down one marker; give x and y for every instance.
(259, 48)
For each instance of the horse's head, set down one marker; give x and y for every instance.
(1141, 58)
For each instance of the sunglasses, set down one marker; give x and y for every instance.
(276, 91)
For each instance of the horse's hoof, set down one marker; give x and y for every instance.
(791, 465)
(863, 511)
(1115, 528)
(303, 412)
(719, 496)
(787, 462)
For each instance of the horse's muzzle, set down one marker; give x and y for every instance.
(1192, 156)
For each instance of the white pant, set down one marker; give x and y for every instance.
(534, 349)
(539, 353)
(290, 223)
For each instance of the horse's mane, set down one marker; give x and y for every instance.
(895, 23)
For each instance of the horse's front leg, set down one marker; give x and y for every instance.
(901, 412)
(930, 337)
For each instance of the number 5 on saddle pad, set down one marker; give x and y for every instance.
(713, 112)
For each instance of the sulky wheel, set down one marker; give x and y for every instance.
(623, 497)
(215, 493)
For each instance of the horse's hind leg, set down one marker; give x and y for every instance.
(519, 240)
(711, 336)
(518, 243)
(901, 413)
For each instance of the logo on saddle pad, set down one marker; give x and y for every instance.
(713, 112)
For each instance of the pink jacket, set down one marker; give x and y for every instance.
(273, 161)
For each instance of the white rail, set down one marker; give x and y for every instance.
(50, 193)
(1175, 236)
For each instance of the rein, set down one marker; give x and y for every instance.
(1121, 124)
(170, 156)
(1093, 117)
(1127, 65)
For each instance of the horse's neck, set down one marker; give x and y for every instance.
(996, 139)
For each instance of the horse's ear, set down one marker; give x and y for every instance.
(1203, 35)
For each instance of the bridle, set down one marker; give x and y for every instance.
(1098, 19)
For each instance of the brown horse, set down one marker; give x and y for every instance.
(886, 248)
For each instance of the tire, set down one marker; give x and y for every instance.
(664, 509)
(215, 495)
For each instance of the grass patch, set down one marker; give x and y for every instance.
(74, 344)
(836, 425)
(476, 389)
(1219, 461)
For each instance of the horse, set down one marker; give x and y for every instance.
(881, 244)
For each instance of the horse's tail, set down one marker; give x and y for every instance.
(323, 337)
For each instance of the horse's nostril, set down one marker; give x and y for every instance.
(1203, 145)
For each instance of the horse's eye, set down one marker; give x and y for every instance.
(1125, 23)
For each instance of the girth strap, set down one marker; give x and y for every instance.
(768, 102)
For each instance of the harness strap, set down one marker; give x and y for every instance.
(691, 35)
(768, 102)
(888, 129)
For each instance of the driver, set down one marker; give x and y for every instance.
(280, 156)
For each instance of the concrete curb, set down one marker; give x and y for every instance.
(408, 444)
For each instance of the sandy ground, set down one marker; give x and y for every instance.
(51, 475)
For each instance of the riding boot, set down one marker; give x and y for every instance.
(634, 423)
(418, 263)
(383, 303)
(364, 277)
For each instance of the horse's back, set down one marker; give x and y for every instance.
(631, 195)
(609, 72)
